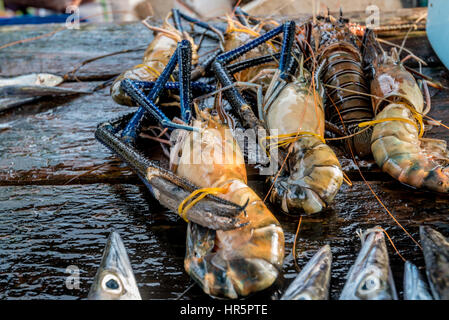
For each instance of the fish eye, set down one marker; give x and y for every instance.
(112, 284)
(369, 284)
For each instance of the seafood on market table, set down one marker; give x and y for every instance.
(34, 79)
(169, 189)
(370, 278)
(234, 244)
(397, 141)
(340, 66)
(292, 112)
(436, 255)
(114, 279)
(312, 283)
(236, 262)
(314, 173)
(257, 65)
(225, 263)
(415, 287)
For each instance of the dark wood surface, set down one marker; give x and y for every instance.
(61, 191)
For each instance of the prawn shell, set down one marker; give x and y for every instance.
(398, 150)
(241, 261)
(155, 59)
(285, 116)
(393, 83)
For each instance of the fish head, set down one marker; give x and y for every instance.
(48, 80)
(371, 284)
(312, 283)
(114, 279)
(370, 278)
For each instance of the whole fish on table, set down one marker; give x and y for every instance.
(19, 90)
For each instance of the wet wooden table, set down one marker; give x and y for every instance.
(61, 192)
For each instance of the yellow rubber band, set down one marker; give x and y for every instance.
(182, 211)
(286, 139)
(295, 136)
(152, 70)
(232, 28)
(373, 122)
(248, 31)
(149, 69)
(418, 117)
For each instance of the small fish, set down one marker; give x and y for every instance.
(370, 278)
(33, 91)
(17, 91)
(436, 254)
(34, 79)
(415, 287)
(115, 278)
(312, 283)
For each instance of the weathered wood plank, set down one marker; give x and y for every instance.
(66, 49)
(53, 140)
(45, 229)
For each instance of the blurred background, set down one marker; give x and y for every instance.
(47, 11)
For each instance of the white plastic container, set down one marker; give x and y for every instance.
(438, 28)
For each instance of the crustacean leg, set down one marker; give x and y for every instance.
(169, 189)
(147, 103)
(155, 60)
(238, 263)
(234, 97)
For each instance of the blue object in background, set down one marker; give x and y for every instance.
(30, 19)
(438, 28)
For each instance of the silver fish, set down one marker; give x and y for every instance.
(436, 254)
(33, 91)
(370, 278)
(312, 283)
(415, 287)
(34, 79)
(115, 278)
(19, 90)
